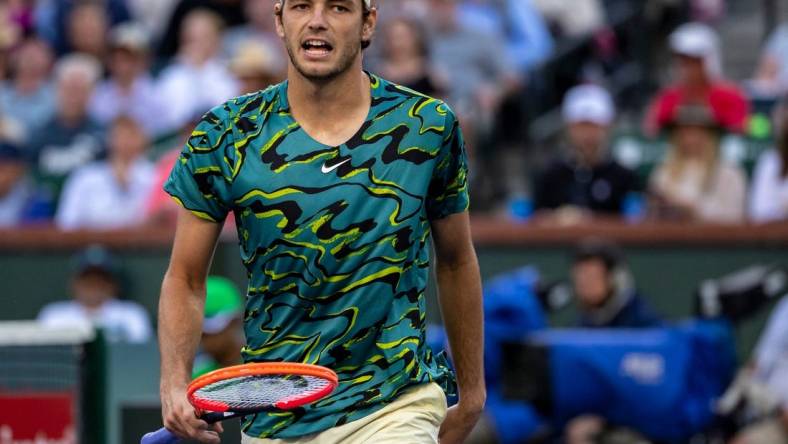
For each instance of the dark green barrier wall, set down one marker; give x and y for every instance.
(667, 275)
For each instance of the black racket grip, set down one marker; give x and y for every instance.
(214, 417)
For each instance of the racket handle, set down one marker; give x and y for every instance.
(161, 436)
(213, 417)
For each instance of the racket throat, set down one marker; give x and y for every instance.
(213, 417)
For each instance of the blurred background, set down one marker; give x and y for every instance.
(629, 189)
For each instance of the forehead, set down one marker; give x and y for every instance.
(366, 3)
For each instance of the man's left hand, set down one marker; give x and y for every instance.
(459, 422)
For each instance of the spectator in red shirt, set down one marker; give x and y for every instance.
(699, 81)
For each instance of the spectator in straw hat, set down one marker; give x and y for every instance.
(254, 66)
(693, 182)
(259, 27)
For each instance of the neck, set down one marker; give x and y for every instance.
(311, 101)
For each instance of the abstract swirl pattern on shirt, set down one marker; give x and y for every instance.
(335, 239)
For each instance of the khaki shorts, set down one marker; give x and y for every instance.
(413, 418)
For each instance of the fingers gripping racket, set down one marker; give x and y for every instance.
(251, 388)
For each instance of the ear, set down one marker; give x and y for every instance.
(280, 29)
(370, 22)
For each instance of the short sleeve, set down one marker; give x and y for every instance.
(202, 177)
(448, 189)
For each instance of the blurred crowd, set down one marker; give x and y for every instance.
(98, 96)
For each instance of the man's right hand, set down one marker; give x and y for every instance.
(179, 417)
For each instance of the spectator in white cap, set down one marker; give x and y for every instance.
(699, 80)
(129, 90)
(584, 179)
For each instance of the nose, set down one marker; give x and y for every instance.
(317, 21)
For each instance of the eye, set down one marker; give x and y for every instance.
(299, 6)
(340, 8)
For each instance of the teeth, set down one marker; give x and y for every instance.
(316, 43)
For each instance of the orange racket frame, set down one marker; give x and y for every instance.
(262, 369)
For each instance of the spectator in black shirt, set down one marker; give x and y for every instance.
(585, 180)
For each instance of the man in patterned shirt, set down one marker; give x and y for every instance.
(337, 180)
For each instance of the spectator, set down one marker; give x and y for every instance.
(517, 23)
(260, 29)
(20, 14)
(160, 209)
(697, 58)
(129, 90)
(769, 374)
(95, 287)
(153, 15)
(406, 57)
(30, 93)
(254, 67)
(605, 290)
(72, 138)
(78, 25)
(230, 11)
(475, 65)
(769, 195)
(11, 31)
(607, 298)
(198, 79)
(771, 76)
(222, 327)
(111, 193)
(577, 18)
(587, 178)
(87, 28)
(20, 203)
(693, 183)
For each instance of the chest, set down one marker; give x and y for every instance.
(289, 183)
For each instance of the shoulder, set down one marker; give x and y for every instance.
(96, 171)
(725, 90)
(57, 309)
(432, 112)
(247, 107)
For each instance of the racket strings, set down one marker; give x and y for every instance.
(254, 392)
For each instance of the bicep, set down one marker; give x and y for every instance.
(452, 239)
(192, 251)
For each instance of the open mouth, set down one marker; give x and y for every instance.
(316, 47)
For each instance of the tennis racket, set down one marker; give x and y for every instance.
(251, 388)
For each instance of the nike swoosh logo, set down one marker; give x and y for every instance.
(327, 169)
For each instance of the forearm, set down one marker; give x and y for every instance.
(460, 297)
(180, 326)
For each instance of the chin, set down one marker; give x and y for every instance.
(319, 74)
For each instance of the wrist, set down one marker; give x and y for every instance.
(174, 385)
(473, 400)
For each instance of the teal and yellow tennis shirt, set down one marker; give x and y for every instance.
(335, 239)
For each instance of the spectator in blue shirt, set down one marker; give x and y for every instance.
(517, 23)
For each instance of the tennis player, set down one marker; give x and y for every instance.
(337, 180)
